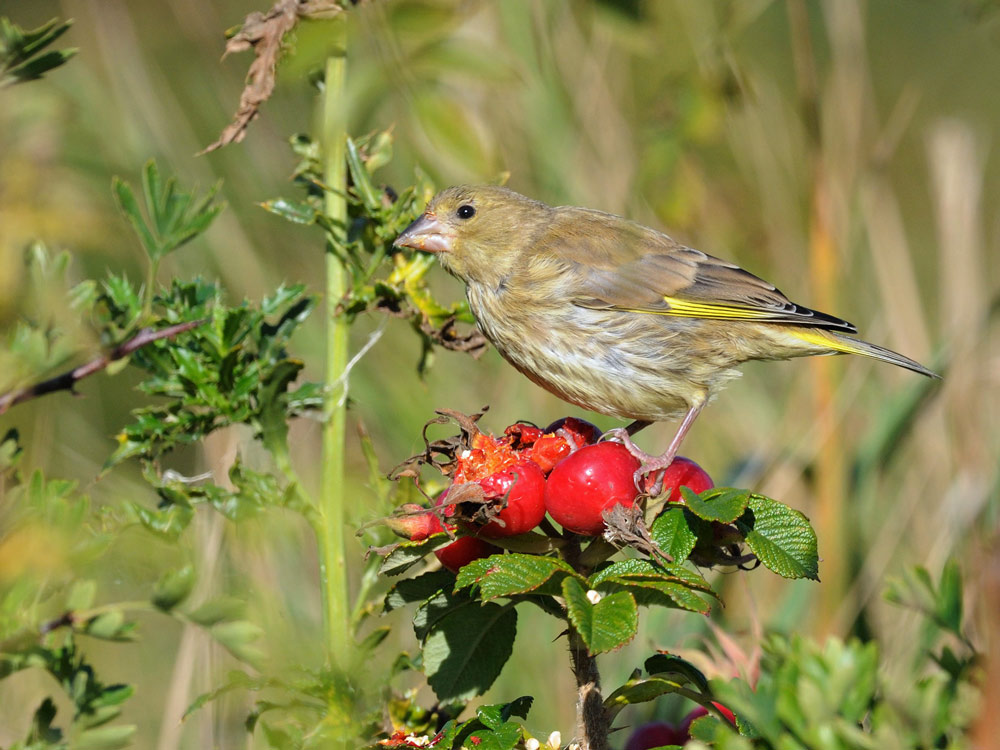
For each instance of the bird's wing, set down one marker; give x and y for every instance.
(626, 266)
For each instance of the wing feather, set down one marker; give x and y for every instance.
(638, 269)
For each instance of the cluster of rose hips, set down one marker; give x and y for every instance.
(662, 733)
(561, 469)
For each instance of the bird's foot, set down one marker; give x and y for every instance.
(648, 463)
(649, 476)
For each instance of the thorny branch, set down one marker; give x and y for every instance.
(67, 380)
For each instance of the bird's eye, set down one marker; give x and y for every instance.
(466, 211)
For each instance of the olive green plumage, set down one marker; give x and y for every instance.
(611, 315)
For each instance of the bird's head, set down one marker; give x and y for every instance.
(478, 232)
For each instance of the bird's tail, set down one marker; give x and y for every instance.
(847, 345)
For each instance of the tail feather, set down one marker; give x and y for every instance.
(847, 345)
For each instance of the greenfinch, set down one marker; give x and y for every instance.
(613, 316)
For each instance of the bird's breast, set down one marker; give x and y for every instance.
(611, 362)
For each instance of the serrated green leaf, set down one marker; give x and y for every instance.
(609, 624)
(723, 504)
(780, 537)
(672, 534)
(648, 569)
(465, 652)
(504, 575)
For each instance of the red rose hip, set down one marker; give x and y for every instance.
(462, 551)
(682, 472)
(656, 734)
(589, 482)
(524, 486)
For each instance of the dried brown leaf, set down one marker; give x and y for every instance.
(264, 34)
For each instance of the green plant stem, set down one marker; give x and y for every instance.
(329, 523)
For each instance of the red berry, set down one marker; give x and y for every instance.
(699, 711)
(464, 550)
(682, 472)
(656, 734)
(415, 523)
(592, 480)
(524, 486)
(576, 432)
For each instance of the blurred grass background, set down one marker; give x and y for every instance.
(844, 150)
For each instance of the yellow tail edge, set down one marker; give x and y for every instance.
(840, 344)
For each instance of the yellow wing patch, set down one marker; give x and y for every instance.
(683, 308)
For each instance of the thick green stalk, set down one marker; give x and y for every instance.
(331, 506)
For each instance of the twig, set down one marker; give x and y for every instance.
(67, 380)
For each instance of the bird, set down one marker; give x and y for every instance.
(614, 316)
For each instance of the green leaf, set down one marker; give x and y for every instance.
(608, 624)
(948, 609)
(129, 206)
(20, 60)
(436, 607)
(105, 738)
(297, 213)
(640, 691)
(173, 217)
(626, 570)
(407, 554)
(362, 180)
(418, 589)
(237, 636)
(464, 653)
(504, 575)
(668, 664)
(672, 534)
(110, 626)
(223, 609)
(722, 504)
(780, 537)
(493, 716)
(81, 595)
(173, 588)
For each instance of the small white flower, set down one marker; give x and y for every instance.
(532, 744)
(593, 597)
(555, 741)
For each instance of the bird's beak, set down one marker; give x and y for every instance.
(428, 234)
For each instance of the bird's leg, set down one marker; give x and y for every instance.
(651, 464)
(624, 434)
